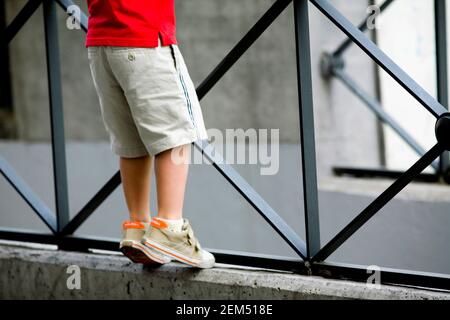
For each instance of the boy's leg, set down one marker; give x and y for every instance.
(171, 234)
(135, 174)
(171, 179)
(126, 142)
(165, 114)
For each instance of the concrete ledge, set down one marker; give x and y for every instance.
(36, 273)
(373, 187)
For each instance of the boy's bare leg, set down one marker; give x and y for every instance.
(135, 174)
(179, 241)
(171, 179)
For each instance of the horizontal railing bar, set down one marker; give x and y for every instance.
(387, 276)
(77, 243)
(20, 19)
(242, 46)
(92, 204)
(411, 86)
(253, 198)
(362, 26)
(381, 113)
(378, 203)
(38, 206)
(65, 4)
(24, 235)
(258, 260)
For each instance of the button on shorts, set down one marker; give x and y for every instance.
(147, 99)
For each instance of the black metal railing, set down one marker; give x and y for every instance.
(311, 254)
(333, 65)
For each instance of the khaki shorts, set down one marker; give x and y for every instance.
(147, 99)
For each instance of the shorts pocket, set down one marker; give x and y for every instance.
(174, 58)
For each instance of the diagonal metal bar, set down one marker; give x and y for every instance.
(38, 206)
(92, 205)
(380, 112)
(363, 27)
(21, 18)
(378, 203)
(66, 4)
(411, 86)
(253, 198)
(241, 47)
(239, 183)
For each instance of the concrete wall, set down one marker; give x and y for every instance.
(259, 92)
(34, 273)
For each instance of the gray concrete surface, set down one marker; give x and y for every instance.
(260, 91)
(31, 273)
(411, 232)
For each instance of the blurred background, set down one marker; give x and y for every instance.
(260, 91)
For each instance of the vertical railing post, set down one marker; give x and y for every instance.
(56, 114)
(440, 20)
(306, 113)
(5, 79)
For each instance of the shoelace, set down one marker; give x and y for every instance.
(192, 237)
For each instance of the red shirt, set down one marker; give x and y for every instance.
(131, 23)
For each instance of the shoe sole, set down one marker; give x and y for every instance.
(177, 255)
(139, 253)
